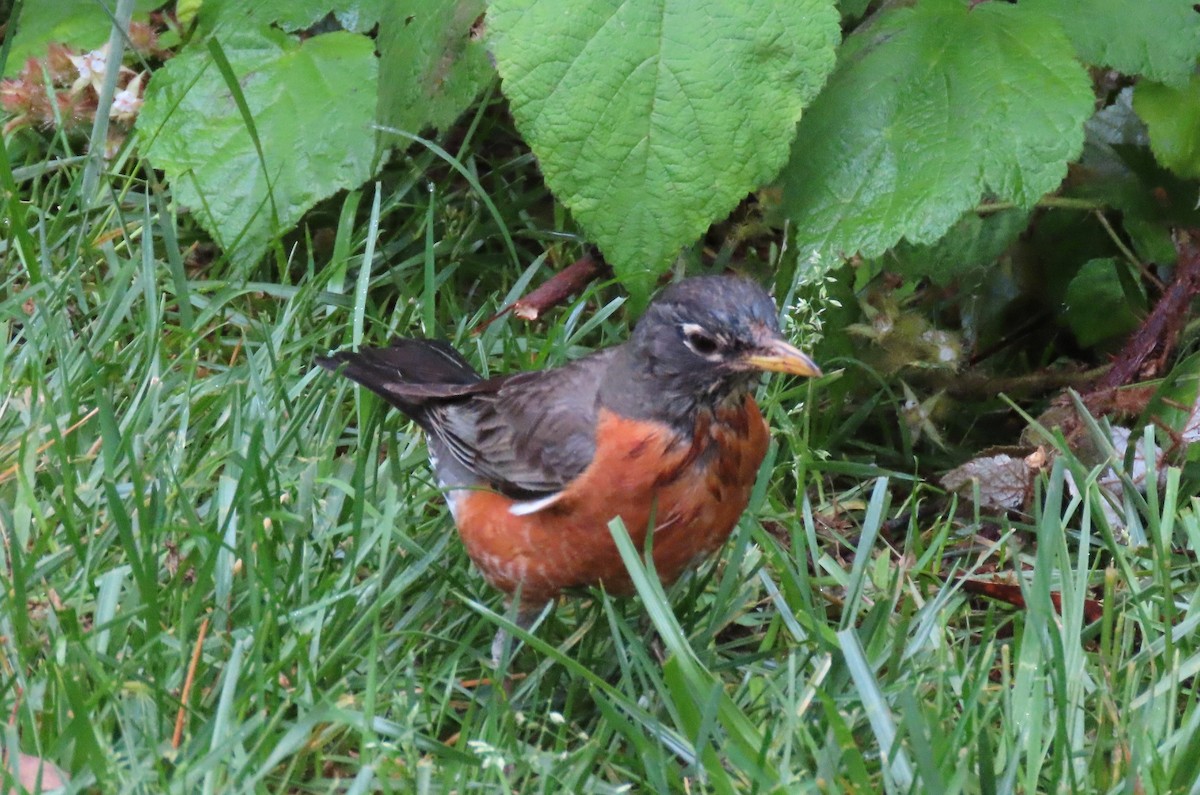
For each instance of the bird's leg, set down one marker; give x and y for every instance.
(526, 616)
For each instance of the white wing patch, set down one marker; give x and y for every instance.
(526, 507)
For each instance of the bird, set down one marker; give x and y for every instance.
(662, 431)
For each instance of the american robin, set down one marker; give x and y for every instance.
(661, 428)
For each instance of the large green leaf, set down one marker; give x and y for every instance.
(651, 119)
(83, 24)
(1159, 39)
(1172, 116)
(1097, 307)
(928, 110)
(224, 16)
(313, 105)
(432, 67)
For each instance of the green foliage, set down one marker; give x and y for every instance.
(927, 110)
(249, 179)
(79, 23)
(651, 120)
(231, 16)
(432, 64)
(852, 9)
(1158, 39)
(1120, 170)
(972, 244)
(1172, 116)
(1097, 306)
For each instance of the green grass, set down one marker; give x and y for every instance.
(171, 460)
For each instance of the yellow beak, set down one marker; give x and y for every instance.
(780, 356)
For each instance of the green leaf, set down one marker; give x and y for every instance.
(312, 106)
(224, 16)
(853, 9)
(1172, 116)
(1159, 39)
(431, 64)
(1097, 307)
(81, 24)
(931, 108)
(1121, 172)
(971, 244)
(653, 119)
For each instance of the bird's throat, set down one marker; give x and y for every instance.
(644, 389)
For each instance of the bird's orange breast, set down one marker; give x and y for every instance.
(694, 490)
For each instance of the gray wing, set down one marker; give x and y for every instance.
(531, 433)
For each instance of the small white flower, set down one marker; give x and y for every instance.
(91, 67)
(128, 101)
(557, 718)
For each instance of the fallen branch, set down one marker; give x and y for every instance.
(559, 287)
(1158, 336)
(1093, 610)
(554, 291)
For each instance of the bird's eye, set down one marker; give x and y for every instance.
(699, 340)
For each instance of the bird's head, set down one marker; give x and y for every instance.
(712, 335)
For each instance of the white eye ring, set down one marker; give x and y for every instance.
(700, 342)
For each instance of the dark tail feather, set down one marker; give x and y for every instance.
(408, 373)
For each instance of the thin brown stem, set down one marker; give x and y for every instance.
(188, 681)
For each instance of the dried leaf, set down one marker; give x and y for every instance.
(1004, 482)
